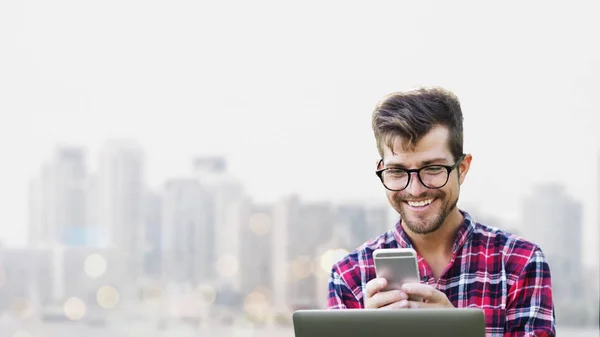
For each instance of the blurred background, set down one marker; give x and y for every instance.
(192, 168)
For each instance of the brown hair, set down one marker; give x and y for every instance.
(412, 114)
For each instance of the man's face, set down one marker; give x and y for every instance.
(424, 210)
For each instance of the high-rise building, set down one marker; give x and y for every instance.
(229, 205)
(95, 276)
(307, 232)
(285, 211)
(119, 199)
(352, 217)
(328, 254)
(57, 200)
(153, 234)
(377, 221)
(120, 193)
(187, 233)
(363, 222)
(553, 220)
(256, 264)
(26, 282)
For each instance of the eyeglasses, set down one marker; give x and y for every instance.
(431, 176)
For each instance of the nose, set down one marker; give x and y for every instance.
(415, 187)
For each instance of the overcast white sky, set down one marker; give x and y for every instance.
(286, 91)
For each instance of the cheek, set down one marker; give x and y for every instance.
(450, 190)
(393, 197)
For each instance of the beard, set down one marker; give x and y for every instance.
(432, 220)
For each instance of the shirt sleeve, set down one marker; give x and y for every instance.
(340, 295)
(530, 307)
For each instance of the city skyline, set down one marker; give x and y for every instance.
(202, 236)
(90, 163)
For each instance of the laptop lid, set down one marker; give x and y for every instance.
(463, 322)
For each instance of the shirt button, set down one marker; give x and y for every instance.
(425, 278)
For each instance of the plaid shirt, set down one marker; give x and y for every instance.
(500, 273)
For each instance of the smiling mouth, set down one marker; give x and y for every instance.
(419, 203)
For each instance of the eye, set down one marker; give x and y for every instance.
(395, 173)
(434, 169)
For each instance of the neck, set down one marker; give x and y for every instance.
(442, 240)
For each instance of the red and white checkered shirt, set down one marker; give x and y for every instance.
(505, 275)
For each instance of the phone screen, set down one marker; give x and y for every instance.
(397, 267)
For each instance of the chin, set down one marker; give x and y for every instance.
(420, 224)
(423, 228)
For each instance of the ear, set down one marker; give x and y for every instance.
(463, 168)
(378, 162)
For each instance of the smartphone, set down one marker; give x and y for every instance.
(397, 266)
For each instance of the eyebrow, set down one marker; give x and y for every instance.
(439, 161)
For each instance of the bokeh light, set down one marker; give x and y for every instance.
(227, 265)
(95, 265)
(263, 290)
(107, 297)
(260, 223)
(301, 267)
(256, 305)
(330, 257)
(205, 295)
(74, 309)
(21, 333)
(22, 308)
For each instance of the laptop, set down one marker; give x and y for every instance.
(462, 322)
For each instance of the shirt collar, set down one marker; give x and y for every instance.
(464, 233)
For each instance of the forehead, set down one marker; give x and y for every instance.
(434, 145)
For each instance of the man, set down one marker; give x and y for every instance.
(462, 263)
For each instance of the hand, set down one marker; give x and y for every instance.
(376, 298)
(432, 298)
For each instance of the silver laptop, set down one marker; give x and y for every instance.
(463, 322)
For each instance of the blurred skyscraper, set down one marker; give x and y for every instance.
(328, 254)
(285, 211)
(308, 229)
(377, 221)
(63, 222)
(57, 200)
(120, 190)
(119, 201)
(352, 217)
(256, 263)
(362, 222)
(553, 220)
(228, 207)
(153, 234)
(188, 233)
(26, 280)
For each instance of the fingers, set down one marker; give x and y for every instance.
(403, 304)
(375, 285)
(377, 298)
(424, 291)
(385, 298)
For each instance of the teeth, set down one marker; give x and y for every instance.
(420, 203)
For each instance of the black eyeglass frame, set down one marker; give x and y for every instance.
(449, 168)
